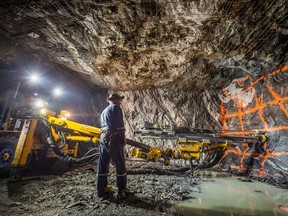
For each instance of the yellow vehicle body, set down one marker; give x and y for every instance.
(187, 150)
(28, 142)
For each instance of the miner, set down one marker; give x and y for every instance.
(112, 144)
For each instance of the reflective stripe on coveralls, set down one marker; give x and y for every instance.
(104, 174)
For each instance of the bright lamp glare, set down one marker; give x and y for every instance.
(43, 111)
(34, 78)
(57, 92)
(40, 103)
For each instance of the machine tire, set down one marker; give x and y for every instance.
(8, 146)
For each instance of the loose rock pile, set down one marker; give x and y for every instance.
(75, 193)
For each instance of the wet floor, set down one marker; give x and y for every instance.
(235, 196)
(213, 194)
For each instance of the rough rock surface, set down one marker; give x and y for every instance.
(149, 43)
(74, 193)
(177, 61)
(245, 105)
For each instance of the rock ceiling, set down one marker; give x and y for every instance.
(133, 45)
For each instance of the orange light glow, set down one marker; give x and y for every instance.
(258, 109)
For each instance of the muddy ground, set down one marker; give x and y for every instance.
(73, 192)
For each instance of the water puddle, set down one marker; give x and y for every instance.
(231, 196)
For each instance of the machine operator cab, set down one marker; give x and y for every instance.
(29, 107)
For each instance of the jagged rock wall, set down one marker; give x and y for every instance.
(168, 108)
(249, 104)
(177, 61)
(185, 102)
(241, 107)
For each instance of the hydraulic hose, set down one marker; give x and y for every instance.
(70, 161)
(158, 171)
(45, 129)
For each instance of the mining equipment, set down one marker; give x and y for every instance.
(39, 136)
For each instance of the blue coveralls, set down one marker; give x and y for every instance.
(112, 143)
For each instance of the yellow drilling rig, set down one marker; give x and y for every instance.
(39, 135)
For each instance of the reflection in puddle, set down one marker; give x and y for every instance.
(231, 196)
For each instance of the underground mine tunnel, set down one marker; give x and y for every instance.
(205, 106)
